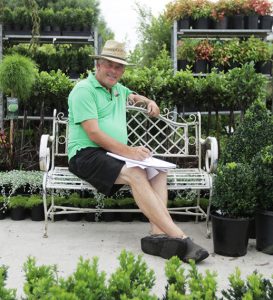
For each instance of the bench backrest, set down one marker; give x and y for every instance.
(168, 135)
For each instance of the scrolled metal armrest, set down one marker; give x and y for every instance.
(44, 152)
(211, 158)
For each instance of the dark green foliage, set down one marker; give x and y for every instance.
(5, 294)
(262, 165)
(34, 200)
(245, 86)
(252, 134)
(234, 190)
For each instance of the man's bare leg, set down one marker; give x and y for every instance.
(159, 185)
(148, 201)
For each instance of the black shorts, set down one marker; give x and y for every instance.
(99, 169)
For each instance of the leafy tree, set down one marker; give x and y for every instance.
(154, 34)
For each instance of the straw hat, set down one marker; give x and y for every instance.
(114, 51)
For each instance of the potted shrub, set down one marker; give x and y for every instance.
(8, 20)
(203, 53)
(109, 203)
(35, 205)
(220, 58)
(219, 11)
(126, 203)
(261, 9)
(201, 12)
(17, 205)
(185, 53)
(262, 166)
(258, 51)
(236, 13)
(73, 200)
(88, 203)
(180, 11)
(234, 204)
(89, 21)
(17, 76)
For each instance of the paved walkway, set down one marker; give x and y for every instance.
(67, 241)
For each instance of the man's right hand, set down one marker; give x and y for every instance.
(139, 153)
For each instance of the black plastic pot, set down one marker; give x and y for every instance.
(230, 236)
(183, 23)
(74, 217)
(264, 67)
(252, 22)
(89, 217)
(37, 213)
(266, 22)
(182, 64)
(202, 23)
(18, 213)
(238, 22)
(201, 66)
(264, 231)
(221, 24)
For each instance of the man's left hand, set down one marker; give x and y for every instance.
(153, 109)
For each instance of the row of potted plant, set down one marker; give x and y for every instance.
(200, 54)
(222, 14)
(65, 21)
(133, 280)
(243, 187)
(72, 60)
(19, 207)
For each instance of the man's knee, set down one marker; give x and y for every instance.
(133, 175)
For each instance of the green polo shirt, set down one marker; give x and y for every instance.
(90, 100)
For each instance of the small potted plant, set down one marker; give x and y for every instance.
(203, 53)
(201, 13)
(109, 203)
(17, 205)
(236, 13)
(234, 203)
(220, 57)
(73, 200)
(261, 9)
(219, 12)
(185, 53)
(126, 203)
(180, 11)
(35, 204)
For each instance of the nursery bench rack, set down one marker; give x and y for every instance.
(172, 137)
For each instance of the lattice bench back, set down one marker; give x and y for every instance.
(169, 135)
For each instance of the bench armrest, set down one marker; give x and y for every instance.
(44, 152)
(211, 158)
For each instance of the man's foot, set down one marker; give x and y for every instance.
(164, 246)
(194, 252)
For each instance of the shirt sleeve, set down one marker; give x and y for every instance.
(83, 105)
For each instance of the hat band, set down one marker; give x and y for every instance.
(112, 56)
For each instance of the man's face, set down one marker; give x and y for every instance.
(108, 72)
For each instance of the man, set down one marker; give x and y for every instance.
(97, 124)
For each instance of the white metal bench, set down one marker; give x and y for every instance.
(171, 136)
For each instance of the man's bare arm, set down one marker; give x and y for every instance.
(93, 131)
(153, 109)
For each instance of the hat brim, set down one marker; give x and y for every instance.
(117, 60)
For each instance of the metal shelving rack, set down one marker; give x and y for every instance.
(210, 34)
(93, 38)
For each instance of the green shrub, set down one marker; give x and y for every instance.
(34, 200)
(253, 134)
(18, 201)
(234, 190)
(262, 165)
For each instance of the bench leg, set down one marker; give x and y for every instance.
(208, 215)
(197, 203)
(46, 214)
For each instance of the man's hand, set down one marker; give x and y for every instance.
(139, 153)
(153, 109)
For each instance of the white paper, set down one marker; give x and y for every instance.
(148, 162)
(151, 172)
